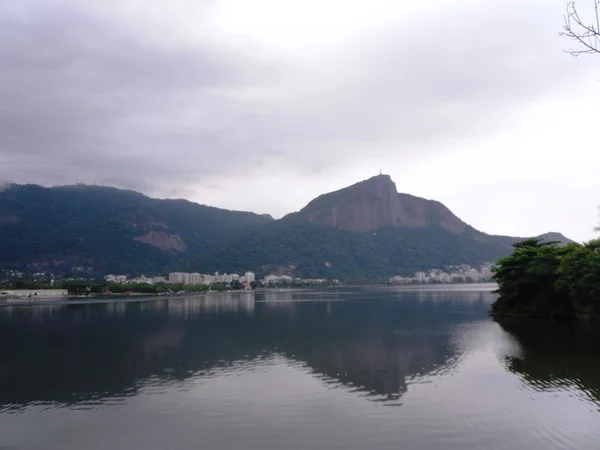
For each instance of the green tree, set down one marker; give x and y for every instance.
(219, 287)
(578, 275)
(527, 281)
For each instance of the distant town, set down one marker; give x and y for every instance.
(457, 274)
(452, 274)
(248, 280)
(463, 273)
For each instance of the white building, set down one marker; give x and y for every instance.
(486, 271)
(400, 280)
(141, 280)
(250, 277)
(472, 275)
(442, 277)
(176, 278)
(270, 279)
(274, 279)
(194, 279)
(420, 276)
(457, 278)
(116, 278)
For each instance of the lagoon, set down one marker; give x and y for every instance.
(347, 368)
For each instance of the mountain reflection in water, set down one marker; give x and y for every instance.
(381, 347)
(93, 351)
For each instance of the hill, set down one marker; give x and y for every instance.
(101, 229)
(308, 250)
(367, 230)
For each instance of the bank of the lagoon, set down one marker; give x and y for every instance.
(60, 297)
(32, 293)
(347, 368)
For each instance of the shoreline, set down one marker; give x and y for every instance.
(130, 298)
(84, 301)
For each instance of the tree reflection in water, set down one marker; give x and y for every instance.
(557, 355)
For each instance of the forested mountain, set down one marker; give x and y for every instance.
(308, 250)
(102, 229)
(367, 230)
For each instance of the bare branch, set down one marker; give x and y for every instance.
(586, 36)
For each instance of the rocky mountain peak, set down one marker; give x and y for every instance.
(375, 203)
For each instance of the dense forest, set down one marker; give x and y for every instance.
(545, 280)
(315, 251)
(102, 230)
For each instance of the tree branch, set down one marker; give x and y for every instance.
(587, 37)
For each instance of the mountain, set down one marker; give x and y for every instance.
(375, 203)
(102, 229)
(367, 230)
(550, 237)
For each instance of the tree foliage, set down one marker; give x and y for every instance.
(541, 279)
(579, 277)
(311, 251)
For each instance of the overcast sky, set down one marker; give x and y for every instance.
(261, 105)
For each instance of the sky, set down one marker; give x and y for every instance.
(264, 105)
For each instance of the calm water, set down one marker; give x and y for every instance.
(337, 369)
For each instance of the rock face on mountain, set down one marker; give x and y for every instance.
(375, 203)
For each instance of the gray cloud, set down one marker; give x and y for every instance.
(83, 99)
(437, 78)
(86, 98)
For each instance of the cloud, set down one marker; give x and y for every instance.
(426, 80)
(192, 96)
(83, 98)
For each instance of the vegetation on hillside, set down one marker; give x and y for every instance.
(541, 279)
(91, 226)
(313, 251)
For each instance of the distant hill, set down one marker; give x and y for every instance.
(308, 250)
(549, 237)
(103, 229)
(367, 230)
